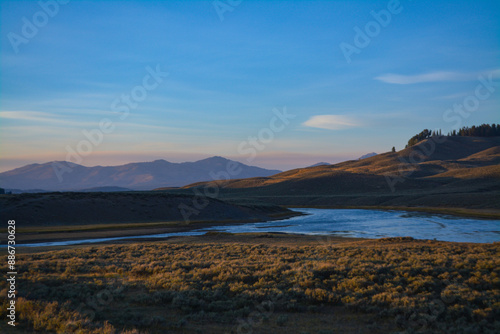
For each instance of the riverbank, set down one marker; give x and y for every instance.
(458, 212)
(32, 235)
(267, 238)
(48, 217)
(358, 222)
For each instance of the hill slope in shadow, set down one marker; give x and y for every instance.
(59, 209)
(439, 171)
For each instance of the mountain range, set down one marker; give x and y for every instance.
(133, 176)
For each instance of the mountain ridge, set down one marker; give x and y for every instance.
(134, 175)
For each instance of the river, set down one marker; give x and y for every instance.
(355, 223)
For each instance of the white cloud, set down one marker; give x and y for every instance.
(26, 115)
(331, 122)
(400, 79)
(37, 117)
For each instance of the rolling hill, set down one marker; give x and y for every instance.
(440, 171)
(78, 208)
(135, 176)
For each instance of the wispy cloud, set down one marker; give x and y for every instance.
(38, 117)
(400, 79)
(27, 115)
(332, 122)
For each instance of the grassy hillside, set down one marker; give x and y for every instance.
(438, 172)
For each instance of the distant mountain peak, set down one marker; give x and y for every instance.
(367, 155)
(319, 164)
(217, 158)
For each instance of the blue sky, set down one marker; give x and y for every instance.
(230, 64)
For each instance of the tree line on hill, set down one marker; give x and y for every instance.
(483, 130)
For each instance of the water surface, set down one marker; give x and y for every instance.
(356, 223)
(378, 224)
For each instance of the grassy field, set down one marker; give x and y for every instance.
(260, 283)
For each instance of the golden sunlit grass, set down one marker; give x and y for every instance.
(217, 284)
(459, 157)
(446, 172)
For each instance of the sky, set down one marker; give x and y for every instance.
(277, 84)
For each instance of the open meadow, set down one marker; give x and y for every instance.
(260, 283)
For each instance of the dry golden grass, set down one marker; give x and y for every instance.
(223, 283)
(449, 172)
(443, 157)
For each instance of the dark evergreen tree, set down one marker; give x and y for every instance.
(483, 130)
